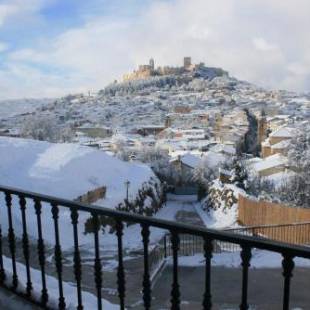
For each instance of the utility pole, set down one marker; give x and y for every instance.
(127, 183)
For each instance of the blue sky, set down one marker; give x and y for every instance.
(50, 48)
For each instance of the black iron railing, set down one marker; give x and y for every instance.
(295, 233)
(209, 237)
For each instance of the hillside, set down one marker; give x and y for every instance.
(124, 106)
(132, 104)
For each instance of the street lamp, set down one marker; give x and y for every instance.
(127, 183)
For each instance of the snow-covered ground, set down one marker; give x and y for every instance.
(224, 213)
(220, 218)
(132, 238)
(260, 259)
(89, 300)
(66, 171)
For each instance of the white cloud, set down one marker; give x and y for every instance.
(263, 45)
(241, 36)
(6, 10)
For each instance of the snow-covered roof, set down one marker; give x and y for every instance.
(213, 160)
(152, 127)
(224, 148)
(190, 160)
(251, 162)
(284, 132)
(270, 162)
(67, 170)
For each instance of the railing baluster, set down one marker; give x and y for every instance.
(77, 258)
(41, 252)
(25, 240)
(288, 266)
(207, 298)
(97, 265)
(58, 257)
(120, 270)
(165, 246)
(11, 237)
(245, 263)
(2, 272)
(175, 292)
(146, 275)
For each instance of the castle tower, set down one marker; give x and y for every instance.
(152, 64)
(187, 62)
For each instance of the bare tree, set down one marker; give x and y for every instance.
(46, 129)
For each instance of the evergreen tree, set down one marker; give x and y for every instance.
(239, 174)
(297, 190)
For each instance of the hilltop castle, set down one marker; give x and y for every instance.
(145, 71)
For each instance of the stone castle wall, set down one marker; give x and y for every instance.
(146, 71)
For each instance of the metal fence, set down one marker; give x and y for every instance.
(208, 238)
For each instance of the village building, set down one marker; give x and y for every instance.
(148, 130)
(185, 165)
(278, 142)
(271, 165)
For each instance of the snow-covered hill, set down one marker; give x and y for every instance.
(10, 108)
(124, 106)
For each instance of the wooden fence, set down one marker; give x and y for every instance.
(260, 213)
(297, 233)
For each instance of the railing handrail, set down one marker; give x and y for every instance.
(242, 240)
(266, 226)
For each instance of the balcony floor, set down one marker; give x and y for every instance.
(9, 301)
(265, 288)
